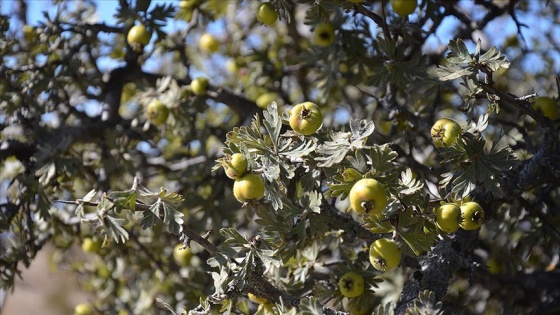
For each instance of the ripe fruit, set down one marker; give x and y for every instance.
(83, 309)
(444, 132)
(157, 112)
(208, 43)
(384, 254)
(448, 217)
(91, 246)
(256, 299)
(351, 285)
(266, 13)
(547, 106)
(235, 166)
(248, 187)
(472, 216)
(138, 36)
(368, 196)
(182, 256)
(199, 85)
(323, 35)
(403, 7)
(305, 118)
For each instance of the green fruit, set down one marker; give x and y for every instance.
(157, 112)
(404, 7)
(199, 86)
(359, 307)
(138, 35)
(182, 256)
(323, 35)
(91, 246)
(235, 166)
(351, 285)
(368, 196)
(384, 254)
(448, 217)
(266, 13)
(266, 99)
(305, 118)
(547, 106)
(444, 132)
(28, 32)
(257, 299)
(208, 43)
(83, 309)
(248, 187)
(472, 216)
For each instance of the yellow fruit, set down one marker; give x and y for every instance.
(199, 85)
(351, 285)
(91, 246)
(157, 112)
(368, 196)
(138, 35)
(266, 99)
(472, 216)
(208, 43)
(266, 13)
(444, 132)
(235, 166)
(384, 254)
(256, 299)
(404, 7)
(83, 309)
(305, 118)
(248, 187)
(182, 256)
(547, 106)
(448, 218)
(323, 35)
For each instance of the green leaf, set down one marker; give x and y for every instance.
(232, 237)
(272, 122)
(114, 228)
(381, 157)
(419, 242)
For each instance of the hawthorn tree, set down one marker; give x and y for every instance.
(170, 145)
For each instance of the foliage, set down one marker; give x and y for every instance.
(81, 159)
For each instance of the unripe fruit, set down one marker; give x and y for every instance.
(351, 285)
(266, 99)
(256, 299)
(472, 216)
(404, 7)
(266, 13)
(235, 166)
(248, 187)
(448, 217)
(368, 196)
(138, 35)
(208, 43)
(305, 118)
(199, 85)
(359, 307)
(323, 35)
(91, 246)
(182, 256)
(157, 112)
(547, 106)
(83, 309)
(444, 132)
(28, 32)
(384, 254)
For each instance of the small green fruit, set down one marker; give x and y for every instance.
(266, 13)
(305, 118)
(448, 217)
(199, 86)
(182, 256)
(248, 187)
(547, 106)
(323, 35)
(266, 99)
(351, 285)
(157, 112)
(404, 7)
(208, 43)
(83, 309)
(138, 35)
(444, 132)
(235, 166)
(384, 254)
(368, 196)
(472, 216)
(91, 246)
